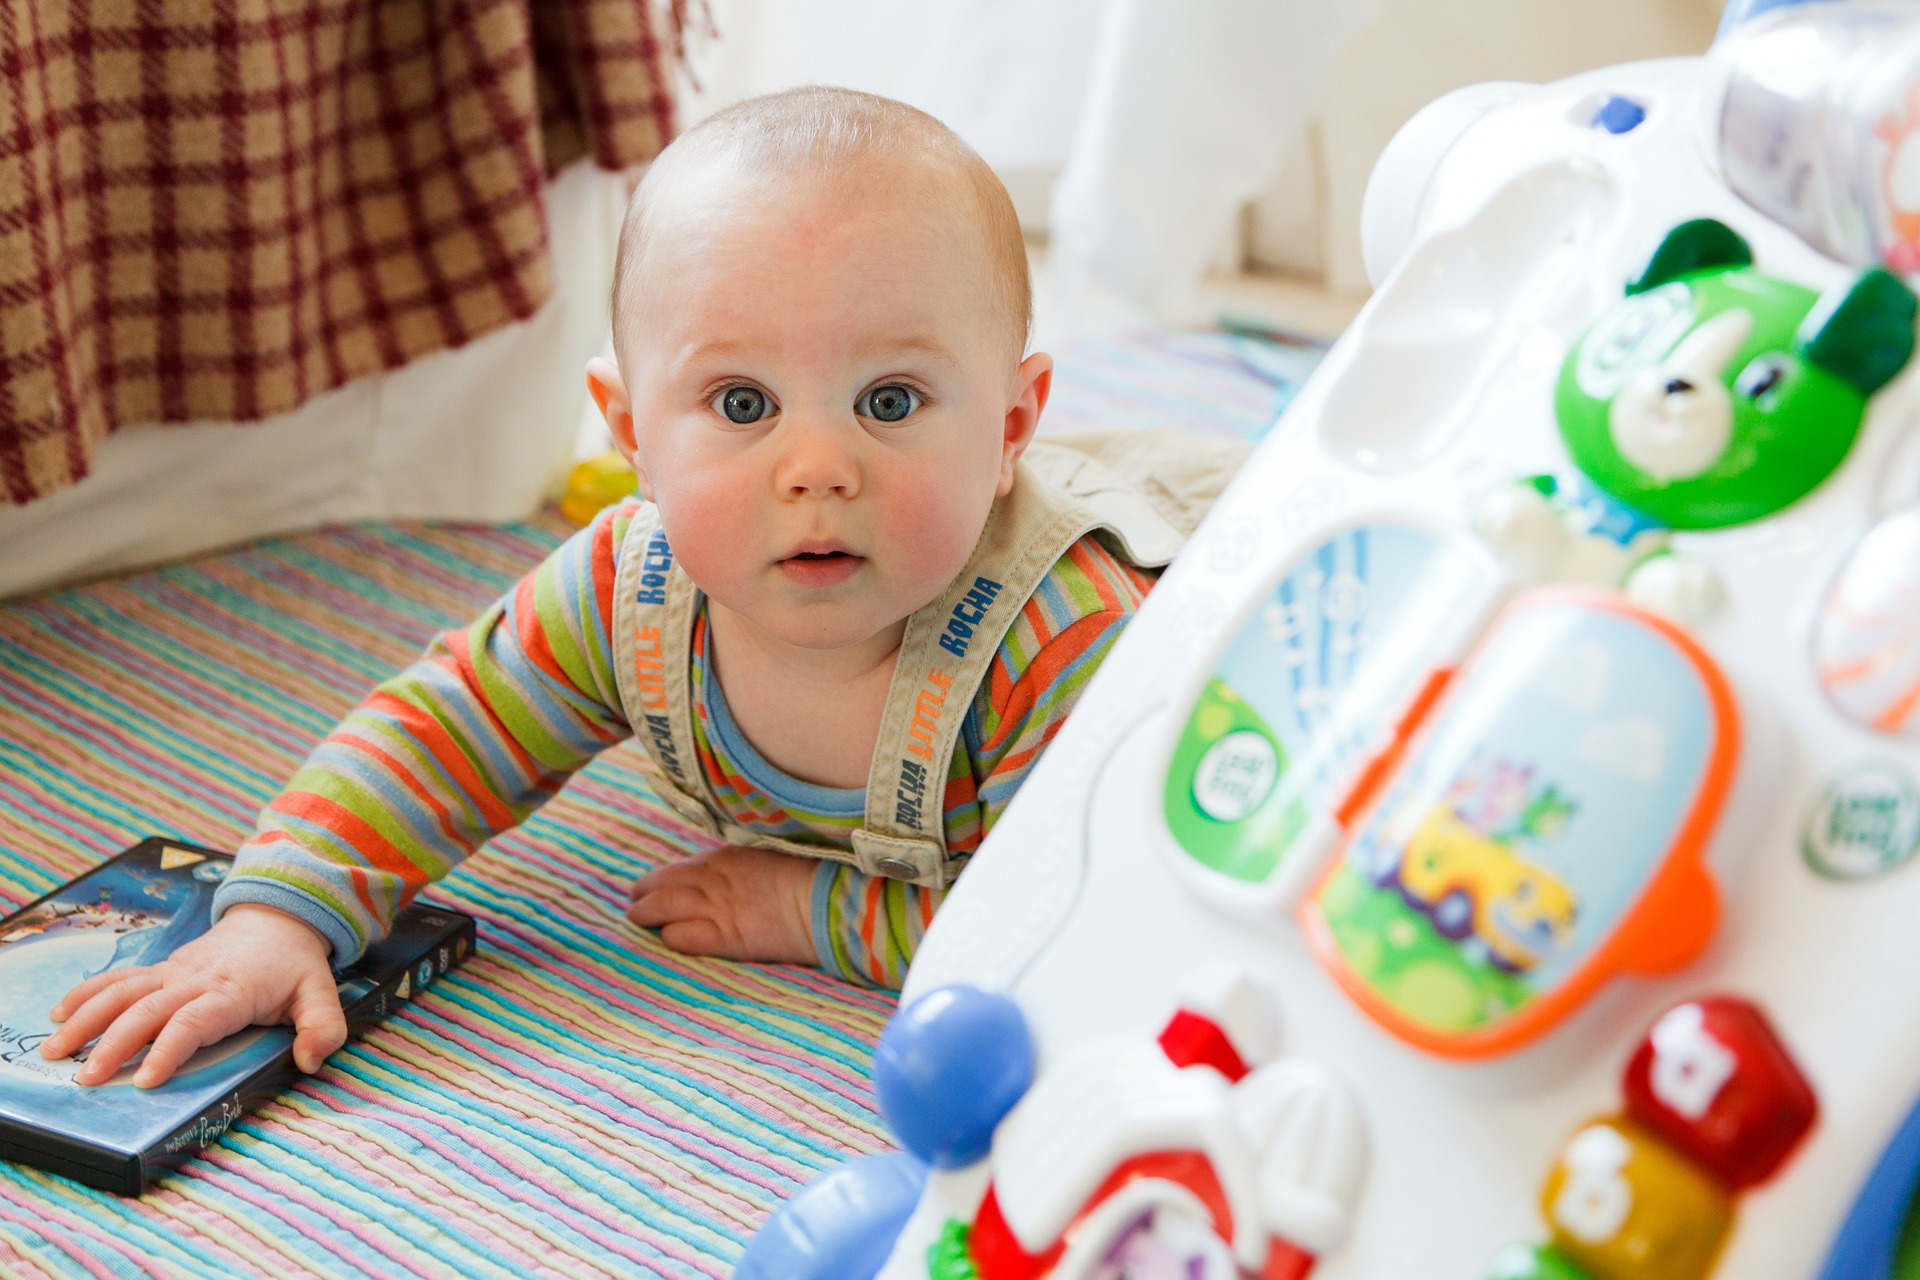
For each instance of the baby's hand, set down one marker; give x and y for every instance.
(258, 966)
(737, 903)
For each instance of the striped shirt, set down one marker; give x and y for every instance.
(494, 717)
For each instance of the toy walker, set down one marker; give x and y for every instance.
(1486, 854)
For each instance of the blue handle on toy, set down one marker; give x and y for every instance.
(1870, 1237)
(1738, 11)
(841, 1227)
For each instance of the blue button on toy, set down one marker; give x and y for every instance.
(1619, 115)
(947, 1070)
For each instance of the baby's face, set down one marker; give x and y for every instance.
(825, 399)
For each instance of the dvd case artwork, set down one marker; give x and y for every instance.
(135, 910)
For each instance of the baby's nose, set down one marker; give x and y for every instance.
(817, 459)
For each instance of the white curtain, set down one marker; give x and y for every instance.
(1187, 116)
(1130, 131)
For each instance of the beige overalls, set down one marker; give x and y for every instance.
(1144, 491)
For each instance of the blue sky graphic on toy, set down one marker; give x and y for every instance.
(1320, 669)
(1579, 696)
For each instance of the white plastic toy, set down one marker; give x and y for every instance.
(1486, 853)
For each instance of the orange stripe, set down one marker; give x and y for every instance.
(961, 790)
(1842, 672)
(459, 660)
(357, 834)
(1018, 706)
(1143, 580)
(1890, 720)
(438, 742)
(413, 782)
(1034, 614)
(875, 893)
(531, 633)
(604, 568)
(1083, 557)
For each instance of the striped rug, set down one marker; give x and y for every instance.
(577, 1101)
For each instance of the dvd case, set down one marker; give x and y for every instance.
(136, 909)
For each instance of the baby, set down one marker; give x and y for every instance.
(844, 623)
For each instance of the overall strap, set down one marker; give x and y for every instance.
(652, 626)
(949, 648)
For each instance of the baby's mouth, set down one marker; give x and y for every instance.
(821, 567)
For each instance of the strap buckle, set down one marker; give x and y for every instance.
(920, 861)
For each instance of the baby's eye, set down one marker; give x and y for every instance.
(887, 404)
(743, 404)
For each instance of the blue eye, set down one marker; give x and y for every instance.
(743, 404)
(890, 403)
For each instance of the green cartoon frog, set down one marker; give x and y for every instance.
(1712, 396)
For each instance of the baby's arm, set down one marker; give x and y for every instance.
(866, 928)
(461, 746)
(464, 744)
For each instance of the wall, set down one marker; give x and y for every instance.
(1413, 52)
(1006, 75)
(1009, 76)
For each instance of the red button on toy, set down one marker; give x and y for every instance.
(1714, 1080)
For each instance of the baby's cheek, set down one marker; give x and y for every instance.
(933, 531)
(709, 527)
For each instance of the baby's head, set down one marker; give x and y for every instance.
(819, 310)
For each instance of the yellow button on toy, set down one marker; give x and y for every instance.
(1625, 1206)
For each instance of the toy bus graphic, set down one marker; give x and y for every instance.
(1440, 917)
(1475, 886)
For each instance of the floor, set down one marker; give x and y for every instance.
(1286, 303)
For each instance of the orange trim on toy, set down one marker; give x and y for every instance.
(1677, 912)
(1381, 767)
(1902, 252)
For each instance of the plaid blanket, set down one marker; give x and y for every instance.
(216, 209)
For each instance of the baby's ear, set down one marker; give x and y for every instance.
(610, 393)
(1032, 384)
